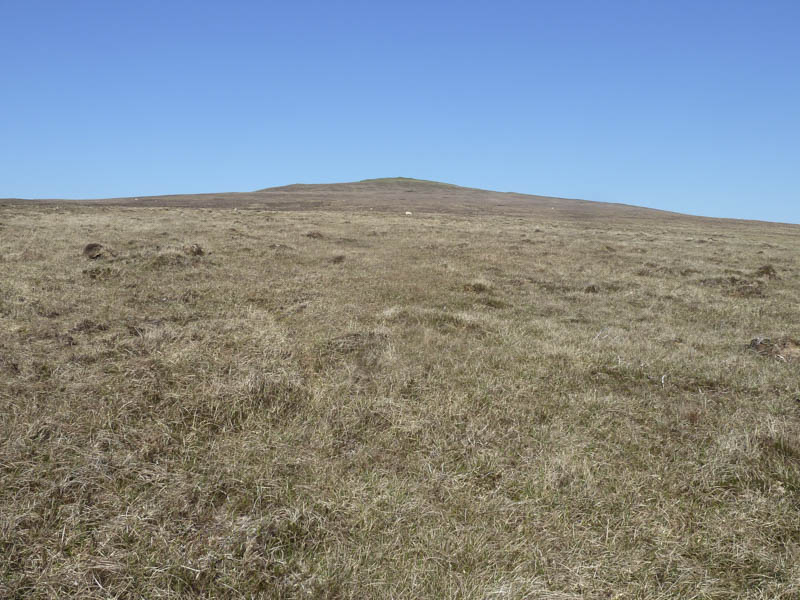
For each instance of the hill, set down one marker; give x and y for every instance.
(498, 396)
(391, 195)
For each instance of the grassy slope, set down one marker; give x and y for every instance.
(405, 407)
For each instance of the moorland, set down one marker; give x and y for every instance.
(305, 392)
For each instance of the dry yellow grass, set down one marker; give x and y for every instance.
(436, 406)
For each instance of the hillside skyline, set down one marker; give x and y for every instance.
(390, 194)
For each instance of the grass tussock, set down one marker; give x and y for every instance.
(210, 409)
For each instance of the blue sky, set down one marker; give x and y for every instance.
(691, 106)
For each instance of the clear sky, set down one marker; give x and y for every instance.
(691, 106)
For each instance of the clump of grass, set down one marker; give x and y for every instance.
(354, 342)
(88, 326)
(493, 302)
(737, 287)
(479, 286)
(767, 271)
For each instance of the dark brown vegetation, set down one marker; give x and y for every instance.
(396, 195)
(532, 401)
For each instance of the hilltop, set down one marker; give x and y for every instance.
(378, 184)
(390, 195)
